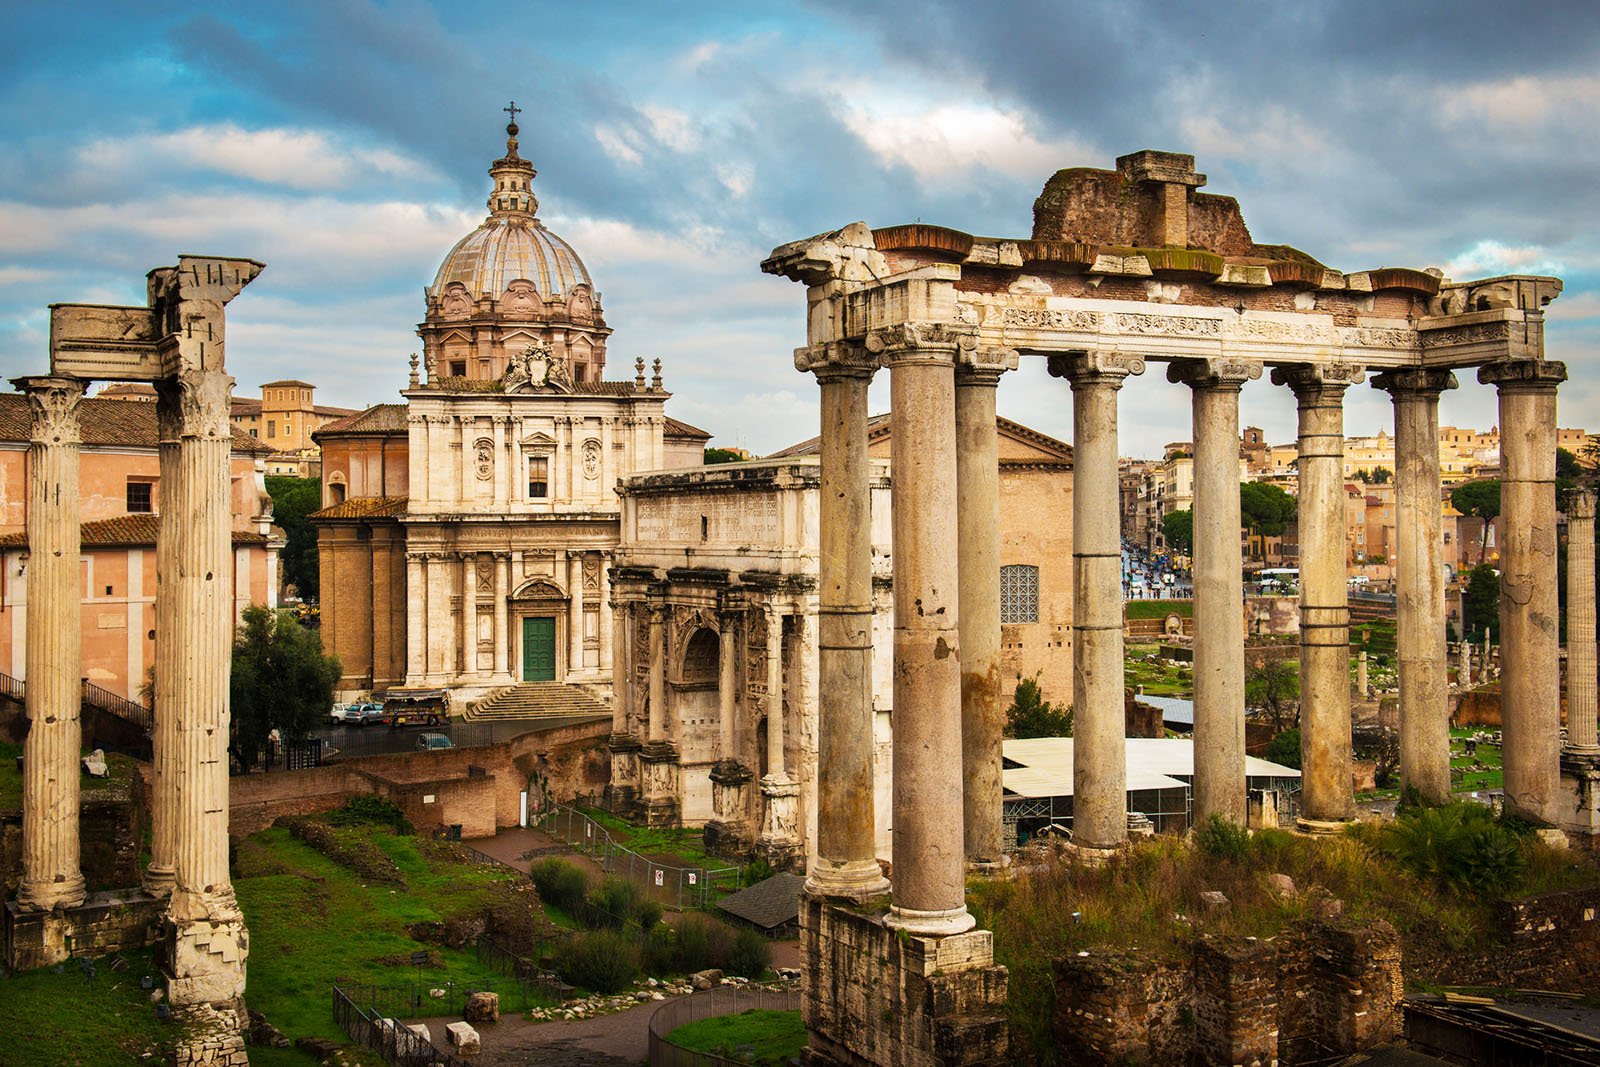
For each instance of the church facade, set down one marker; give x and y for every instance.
(467, 534)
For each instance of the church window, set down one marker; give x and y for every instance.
(538, 477)
(458, 368)
(1019, 594)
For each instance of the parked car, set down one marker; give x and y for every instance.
(371, 713)
(430, 742)
(346, 713)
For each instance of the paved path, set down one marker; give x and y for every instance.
(618, 1040)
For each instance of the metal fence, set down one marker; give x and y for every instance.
(723, 1000)
(397, 1046)
(670, 885)
(533, 981)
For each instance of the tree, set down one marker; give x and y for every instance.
(722, 455)
(1375, 476)
(1178, 529)
(281, 681)
(1265, 509)
(1479, 500)
(1481, 608)
(1272, 686)
(292, 500)
(1284, 748)
(1031, 715)
(1569, 472)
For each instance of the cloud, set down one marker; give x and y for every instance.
(1488, 258)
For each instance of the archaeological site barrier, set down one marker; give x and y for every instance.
(722, 1000)
(671, 885)
(397, 1046)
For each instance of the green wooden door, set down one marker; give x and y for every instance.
(539, 649)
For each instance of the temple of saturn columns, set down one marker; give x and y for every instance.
(1124, 268)
(175, 343)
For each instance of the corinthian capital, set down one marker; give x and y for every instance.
(53, 403)
(1308, 379)
(833, 360)
(1523, 375)
(1095, 368)
(1220, 373)
(1414, 381)
(936, 341)
(983, 366)
(1579, 504)
(203, 403)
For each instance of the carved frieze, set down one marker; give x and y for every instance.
(1474, 334)
(1046, 319)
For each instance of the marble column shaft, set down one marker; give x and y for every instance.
(1099, 751)
(727, 681)
(1420, 638)
(621, 669)
(978, 505)
(172, 507)
(1219, 763)
(929, 884)
(1581, 667)
(575, 613)
(776, 771)
(502, 616)
(1326, 761)
(51, 876)
(658, 673)
(1530, 708)
(845, 862)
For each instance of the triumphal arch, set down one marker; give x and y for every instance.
(176, 343)
(1125, 268)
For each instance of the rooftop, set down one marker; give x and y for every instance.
(126, 423)
(1042, 766)
(124, 530)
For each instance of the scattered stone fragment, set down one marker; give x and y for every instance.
(464, 1038)
(1281, 884)
(1551, 838)
(705, 979)
(1214, 900)
(482, 1008)
(94, 765)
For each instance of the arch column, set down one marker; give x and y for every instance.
(659, 759)
(1530, 708)
(779, 834)
(1099, 751)
(1421, 641)
(978, 504)
(845, 863)
(1219, 762)
(51, 875)
(1581, 724)
(1327, 795)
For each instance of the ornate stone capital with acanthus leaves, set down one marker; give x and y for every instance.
(53, 403)
(1319, 382)
(1414, 381)
(921, 342)
(1220, 373)
(983, 366)
(833, 360)
(1523, 375)
(1083, 369)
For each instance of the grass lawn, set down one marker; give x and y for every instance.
(68, 1019)
(314, 923)
(1158, 678)
(685, 844)
(773, 1037)
(121, 768)
(1465, 777)
(1159, 609)
(10, 777)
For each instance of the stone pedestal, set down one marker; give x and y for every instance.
(660, 772)
(117, 921)
(1581, 724)
(779, 843)
(1419, 582)
(1327, 799)
(1577, 803)
(1530, 690)
(51, 876)
(728, 832)
(845, 863)
(1219, 764)
(1099, 763)
(872, 996)
(623, 789)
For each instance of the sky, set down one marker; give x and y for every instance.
(345, 144)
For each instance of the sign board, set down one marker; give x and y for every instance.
(661, 877)
(692, 877)
(419, 959)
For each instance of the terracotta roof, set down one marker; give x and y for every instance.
(678, 428)
(249, 405)
(364, 507)
(379, 418)
(124, 530)
(878, 429)
(128, 423)
(289, 381)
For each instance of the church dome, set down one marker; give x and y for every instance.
(512, 243)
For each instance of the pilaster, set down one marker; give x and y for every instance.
(1581, 724)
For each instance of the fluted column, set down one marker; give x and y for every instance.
(928, 892)
(621, 668)
(845, 864)
(1420, 638)
(1530, 708)
(1099, 751)
(502, 616)
(1219, 764)
(658, 671)
(159, 875)
(727, 683)
(978, 504)
(207, 959)
(51, 876)
(1581, 725)
(607, 651)
(775, 768)
(1327, 797)
(575, 613)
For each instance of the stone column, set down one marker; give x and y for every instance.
(1530, 708)
(575, 633)
(1099, 752)
(502, 617)
(929, 884)
(1219, 765)
(1327, 797)
(658, 671)
(467, 572)
(207, 942)
(978, 505)
(845, 863)
(779, 831)
(1363, 686)
(416, 619)
(1581, 724)
(1420, 637)
(51, 877)
(727, 682)
(624, 744)
(607, 651)
(501, 481)
(159, 875)
(621, 667)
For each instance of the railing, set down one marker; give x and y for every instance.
(14, 688)
(120, 706)
(397, 1046)
(535, 982)
(670, 885)
(723, 1000)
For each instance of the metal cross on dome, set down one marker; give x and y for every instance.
(512, 109)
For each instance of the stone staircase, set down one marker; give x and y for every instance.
(536, 700)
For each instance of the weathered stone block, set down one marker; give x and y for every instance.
(482, 1007)
(464, 1038)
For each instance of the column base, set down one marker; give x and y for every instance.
(930, 923)
(158, 881)
(50, 896)
(729, 833)
(104, 923)
(206, 948)
(660, 774)
(1578, 796)
(1321, 827)
(856, 881)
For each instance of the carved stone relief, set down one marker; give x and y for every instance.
(484, 461)
(591, 459)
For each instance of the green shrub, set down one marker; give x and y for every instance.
(658, 956)
(613, 904)
(647, 913)
(757, 870)
(1221, 838)
(1271, 847)
(365, 809)
(1284, 748)
(1461, 846)
(603, 960)
(560, 884)
(693, 949)
(749, 955)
